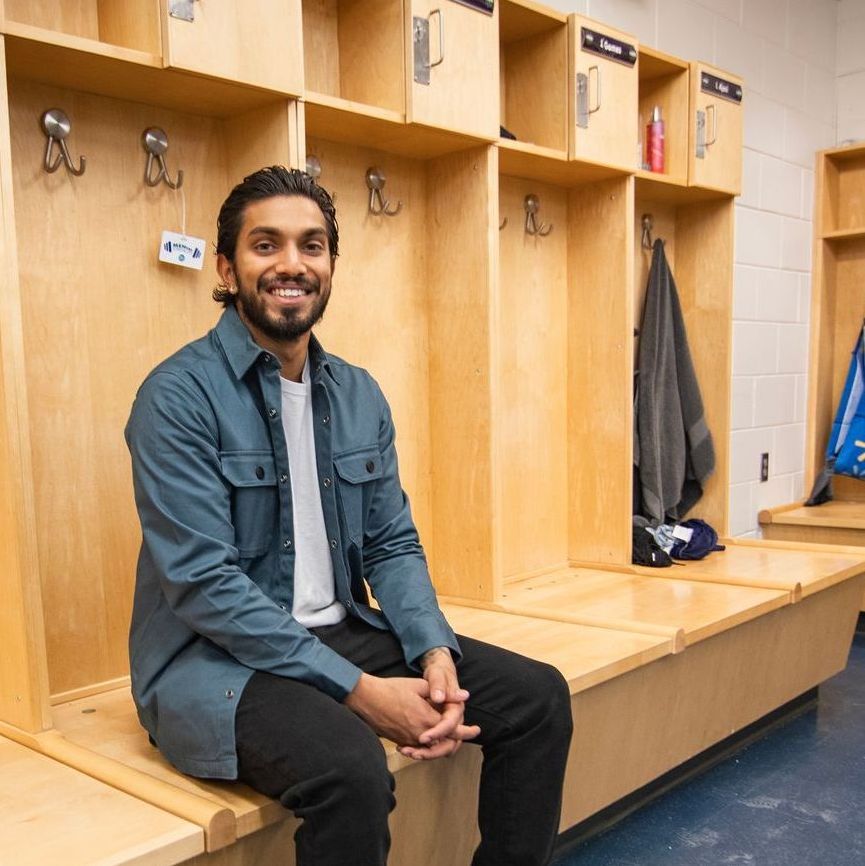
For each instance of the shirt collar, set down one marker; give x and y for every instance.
(242, 351)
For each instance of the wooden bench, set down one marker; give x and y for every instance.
(659, 669)
(839, 522)
(54, 814)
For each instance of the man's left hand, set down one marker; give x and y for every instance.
(445, 738)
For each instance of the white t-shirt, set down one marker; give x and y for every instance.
(315, 601)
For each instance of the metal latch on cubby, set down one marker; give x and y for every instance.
(420, 42)
(583, 110)
(182, 9)
(702, 141)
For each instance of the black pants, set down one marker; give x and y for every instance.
(298, 745)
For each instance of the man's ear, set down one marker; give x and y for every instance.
(226, 272)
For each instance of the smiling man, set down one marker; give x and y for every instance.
(266, 482)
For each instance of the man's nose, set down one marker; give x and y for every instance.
(290, 261)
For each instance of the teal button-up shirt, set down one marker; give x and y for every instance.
(213, 595)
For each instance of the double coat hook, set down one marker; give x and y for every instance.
(532, 205)
(647, 223)
(155, 142)
(378, 204)
(56, 125)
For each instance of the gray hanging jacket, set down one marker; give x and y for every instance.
(673, 448)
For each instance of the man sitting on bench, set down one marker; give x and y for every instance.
(267, 488)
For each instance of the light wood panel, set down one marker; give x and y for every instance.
(642, 604)
(353, 49)
(532, 413)
(23, 663)
(218, 43)
(85, 822)
(380, 288)
(721, 167)
(685, 703)
(88, 347)
(133, 24)
(704, 277)
(463, 91)
(77, 17)
(814, 569)
(611, 134)
(462, 272)
(600, 370)
(534, 81)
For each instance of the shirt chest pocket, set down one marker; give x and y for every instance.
(356, 471)
(254, 500)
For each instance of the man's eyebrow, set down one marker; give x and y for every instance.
(273, 232)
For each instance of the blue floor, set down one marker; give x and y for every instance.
(794, 798)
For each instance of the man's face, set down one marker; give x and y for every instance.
(282, 267)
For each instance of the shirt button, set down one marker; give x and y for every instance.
(327, 482)
(283, 478)
(283, 607)
(370, 466)
(259, 472)
(333, 543)
(229, 693)
(326, 419)
(287, 544)
(272, 413)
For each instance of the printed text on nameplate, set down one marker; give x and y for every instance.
(607, 46)
(721, 87)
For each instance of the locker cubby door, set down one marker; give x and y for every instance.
(456, 86)
(715, 134)
(257, 42)
(603, 94)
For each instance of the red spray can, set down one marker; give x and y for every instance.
(655, 141)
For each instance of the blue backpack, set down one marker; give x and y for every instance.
(845, 453)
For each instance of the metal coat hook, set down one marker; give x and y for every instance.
(56, 125)
(375, 180)
(313, 167)
(532, 204)
(155, 142)
(503, 223)
(647, 224)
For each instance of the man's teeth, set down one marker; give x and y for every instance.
(289, 293)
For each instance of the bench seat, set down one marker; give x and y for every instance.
(106, 724)
(685, 611)
(54, 814)
(839, 522)
(694, 662)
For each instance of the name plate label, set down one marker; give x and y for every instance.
(485, 6)
(721, 87)
(607, 46)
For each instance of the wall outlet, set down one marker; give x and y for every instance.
(764, 466)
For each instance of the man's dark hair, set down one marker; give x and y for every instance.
(267, 183)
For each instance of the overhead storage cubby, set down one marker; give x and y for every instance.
(133, 25)
(715, 130)
(533, 69)
(602, 90)
(353, 51)
(664, 83)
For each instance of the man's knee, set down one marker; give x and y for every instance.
(550, 696)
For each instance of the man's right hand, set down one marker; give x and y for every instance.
(398, 708)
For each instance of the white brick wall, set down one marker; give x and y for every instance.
(804, 70)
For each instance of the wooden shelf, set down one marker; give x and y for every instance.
(852, 234)
(337, 119)
(76, 63)
(519, 159)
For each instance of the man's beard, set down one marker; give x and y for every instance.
(288, 324)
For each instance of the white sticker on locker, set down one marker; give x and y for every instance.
(183, 250)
